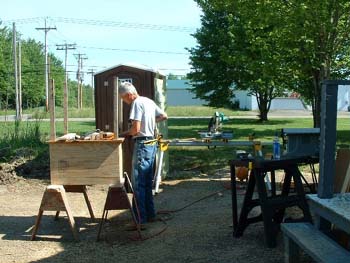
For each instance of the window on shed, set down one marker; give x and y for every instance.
(126, 80)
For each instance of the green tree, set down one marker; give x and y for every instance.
(238, 47)
(172, 76)
(6, 78)
(57, 73)
(32, 72)
(33, 78)
(269, 46)
(318, 36)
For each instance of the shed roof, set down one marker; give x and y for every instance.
(132, 65)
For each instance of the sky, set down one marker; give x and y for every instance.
(152, 33)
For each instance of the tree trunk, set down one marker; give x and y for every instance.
(319, 76)
(264, 104)
(316, 105)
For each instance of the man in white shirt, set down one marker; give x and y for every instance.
(144, 114)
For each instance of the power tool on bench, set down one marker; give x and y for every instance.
(215, 128)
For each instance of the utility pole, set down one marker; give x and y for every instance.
(46, 30)
(14, 43)
(20, 78)
(65, 47)
(91, 71)
(80, 57)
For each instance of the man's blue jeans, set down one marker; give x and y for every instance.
(142, 178)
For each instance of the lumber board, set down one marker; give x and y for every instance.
(314, 243)
(86, 162)
(342, 172)
(335, 210)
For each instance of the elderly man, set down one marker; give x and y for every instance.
(144, 114)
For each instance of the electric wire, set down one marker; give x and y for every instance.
(105, 23)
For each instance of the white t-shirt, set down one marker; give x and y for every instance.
(145, 110)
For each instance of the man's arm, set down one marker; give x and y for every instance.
(134, 129)
(161, 117)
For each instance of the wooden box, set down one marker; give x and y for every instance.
(86, 162)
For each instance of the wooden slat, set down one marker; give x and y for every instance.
(85, 163)
(116, 106)
(315, 243)
(342, 164)
(52, 109)
(346, 182)
(334, 210)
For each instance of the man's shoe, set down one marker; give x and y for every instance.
(133, 227)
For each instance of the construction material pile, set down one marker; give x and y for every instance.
(90, 136)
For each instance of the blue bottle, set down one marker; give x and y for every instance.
(276, 148)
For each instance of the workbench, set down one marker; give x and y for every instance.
(214, 143)
(272, 204)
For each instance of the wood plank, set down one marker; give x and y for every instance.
(85, 163)
(52, 109)
(89, 181)
(116, 106)
(342, 164)
(328, 139)
(335, 210)
(315, 243)
(346, 182)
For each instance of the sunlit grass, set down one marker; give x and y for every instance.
(34, 135)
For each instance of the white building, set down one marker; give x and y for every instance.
(343, 98)
(178, 94)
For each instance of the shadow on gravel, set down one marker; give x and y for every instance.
(198, 229)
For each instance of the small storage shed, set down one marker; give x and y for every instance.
(148, 82)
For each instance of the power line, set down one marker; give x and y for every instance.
(135, 50)
(124, 24)
(105, 23)
(23, 20)
(80, 57)
(65, 47)
(46, 30)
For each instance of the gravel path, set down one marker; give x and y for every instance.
(200, 232)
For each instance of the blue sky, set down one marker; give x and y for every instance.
(111, 32)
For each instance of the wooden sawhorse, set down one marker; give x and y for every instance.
(55, 199)
(119, 199)
(78, 189)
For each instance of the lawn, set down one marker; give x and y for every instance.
(214, 158)
(25, 134)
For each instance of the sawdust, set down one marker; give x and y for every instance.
(198, 229)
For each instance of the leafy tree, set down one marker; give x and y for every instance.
(317, 34)
(238, 48)
(57, 73)
(172, 76)
(6, 78)
(32, 72)
(72, 94)
(269, 46)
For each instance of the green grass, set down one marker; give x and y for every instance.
(207, 160)
(40, 113)
(182, 111)
(33, 135)
(183, 160)
(197, 111)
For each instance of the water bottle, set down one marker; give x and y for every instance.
(276, 148)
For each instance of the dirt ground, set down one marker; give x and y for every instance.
(200, 231)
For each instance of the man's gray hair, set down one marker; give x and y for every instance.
(126, 87)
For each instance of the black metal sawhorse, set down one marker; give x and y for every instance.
(272, 206)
